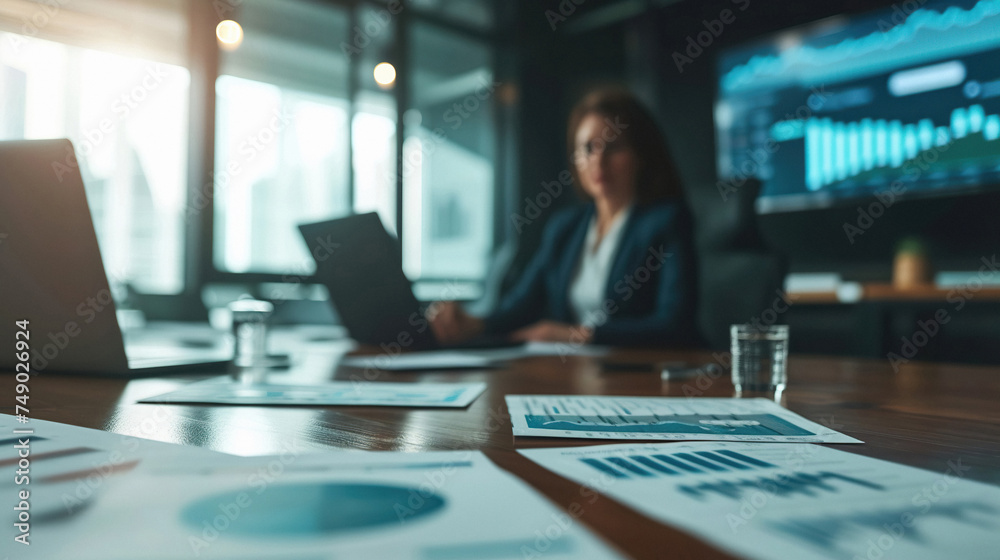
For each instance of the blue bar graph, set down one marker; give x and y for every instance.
(835, 151)
(805, 484)
(676, 464)
(604, 468)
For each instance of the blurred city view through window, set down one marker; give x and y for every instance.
(303, 133)
(128, 121)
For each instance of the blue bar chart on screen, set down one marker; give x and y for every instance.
(762, 501)
(841, 110)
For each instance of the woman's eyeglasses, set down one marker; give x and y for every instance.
(598, 147)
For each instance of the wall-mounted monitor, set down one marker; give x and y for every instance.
(903, 100)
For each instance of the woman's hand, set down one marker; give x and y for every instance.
(550, 331)
(451, 323)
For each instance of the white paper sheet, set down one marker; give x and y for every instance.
(663, 418)
(540, 349)
(777, 501)
(432, 359)
(428, 506)
(68, 469)
(470, 358)
(345, 393)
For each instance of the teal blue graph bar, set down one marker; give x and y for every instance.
(991, 130)
(881, 143)
(960, 123)
(853, 149)
(976, 117)
(867, 144)
(895, 143)
(840, 151)
(926, 134)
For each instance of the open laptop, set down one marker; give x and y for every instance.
(52, 279)
(361, 266)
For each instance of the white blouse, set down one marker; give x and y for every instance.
(589, 286)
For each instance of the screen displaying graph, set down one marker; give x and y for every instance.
(906, 100)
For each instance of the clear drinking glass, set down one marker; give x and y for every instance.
(759, 357)
(250, 331)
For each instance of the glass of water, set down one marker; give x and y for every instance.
(759, 357)
(250, 331)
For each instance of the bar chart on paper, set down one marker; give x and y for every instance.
(663, 418)
(800, 501)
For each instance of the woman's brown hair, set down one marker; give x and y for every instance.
(629, 122)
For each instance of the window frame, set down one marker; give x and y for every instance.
(204, 65)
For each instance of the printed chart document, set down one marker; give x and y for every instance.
(777, 501)
(68, 469)
(434, 505)
(346, 393)
(663, 418)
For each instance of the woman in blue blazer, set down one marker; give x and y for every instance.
(617, 270)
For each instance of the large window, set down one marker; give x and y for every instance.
(280, 161)
(448, 157)
(303, 130)
(127, 116)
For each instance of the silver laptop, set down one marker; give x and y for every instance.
(52, 279)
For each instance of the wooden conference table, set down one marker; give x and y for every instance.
(925, 415)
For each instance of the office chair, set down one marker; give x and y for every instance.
(739, 276)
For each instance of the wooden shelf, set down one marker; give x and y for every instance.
(887, 292)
